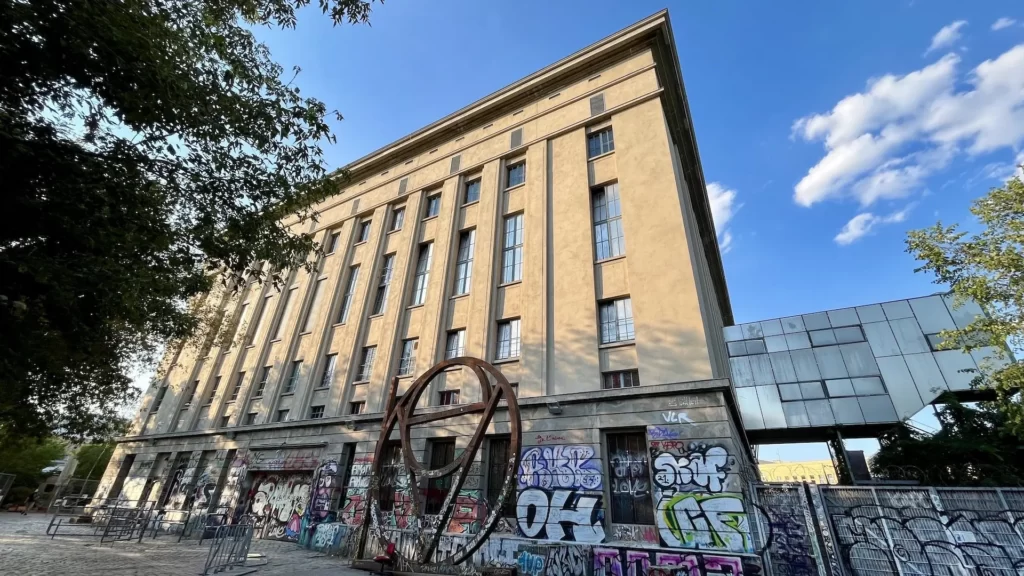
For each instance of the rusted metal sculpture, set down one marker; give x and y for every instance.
(402, 414)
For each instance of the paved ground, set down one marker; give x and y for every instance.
(26, 550)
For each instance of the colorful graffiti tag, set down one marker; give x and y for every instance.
(278, 501)
(555, 501)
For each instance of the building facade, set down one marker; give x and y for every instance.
(559, 229)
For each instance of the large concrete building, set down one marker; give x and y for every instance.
(559, 229)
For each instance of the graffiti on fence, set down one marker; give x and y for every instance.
(561, 466)
(632, 562)
(789, 549)
(561, 514)
(278, 501)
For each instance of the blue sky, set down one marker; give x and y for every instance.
(826, 129)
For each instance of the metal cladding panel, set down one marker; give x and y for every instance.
(987, 358)
(952, 363)
(839, 387)
(871, 313)
(858, 359)
(733, 333)
(877, 409)
(964, 315)
(898, 309)
(761, 366)
(849, 335)
(750, 408)
(819, 412)
(741, 372)
(737, 348)
(881, 339)
(869, 386)
(823, 337)
(811, 390)
(771, 407)
(847, 411)
(782, 367)
(901, 386)
(909, 336)
(796, 414)
(775, 343)
(830, 362)
(926, 374)
(792, 324)
(816, 321)
(771, 327)
(932, 314)
(798, 341)
(755, 347)
(790, 392)
(843, 317)
(752, 330)
(805, 364)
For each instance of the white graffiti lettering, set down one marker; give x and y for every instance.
(563, 515)
(676, 417)
(707, 470)
(559, 467)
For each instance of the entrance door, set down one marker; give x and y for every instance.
(277, 501)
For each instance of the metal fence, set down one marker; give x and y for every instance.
(229, 549)
(6, 480)
(109, 519)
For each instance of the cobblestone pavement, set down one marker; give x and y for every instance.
(26, 550)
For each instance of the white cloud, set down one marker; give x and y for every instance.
(946, 36)
(1003, 22)
(884, 143)
(862, 224)
(723, 207)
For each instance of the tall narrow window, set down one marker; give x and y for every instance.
(407, 363)
(630, 479)
(600, 142)
(392, 471)
(242, 325)
(419, 288)
(621, 379)
(508, 339)
(293, 377)
(472, 192)
(364, 231)
(455, 345)
(442, 453)
(608, 238)
(464, 262)
(350, 290)
(515, 174)
(448, 398)
(314, 305)
(264, 377)
(238, 386)
(213, 390)
(616, 321)
(386, 270)
(332, 242)
(366, 366)
(261, 317)
(498, 455)
(191, 394)
(433, 207)
(512, 250)
(328, 375)
(397, 219)
(289, 299)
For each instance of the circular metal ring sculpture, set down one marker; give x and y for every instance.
(402, 414)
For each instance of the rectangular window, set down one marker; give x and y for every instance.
(512, 250)
(213, 390)
(609, 241)
(498, 455)
(356, 407)
(191, 394)
(382, 287)
(455, 345)
(364, 231)
(397, 219)
(328, 375)
(225, 420)
(366, 366)
(433, 207)
(616, 321)
(289, 299)
(282, 416)
(448, 398)
(621, 379)
(508, 339)
(241, 326)
(332, 242)
(392, 472)
(261, 316)
(442, 453)
(600, 142)
(316, 412)
(314, 305)
(419, 287)
(350, 289)
(515, 174)
(250, 418)
(407, 363)
(630, 479)
(472, 192)
(264, 377)
(464, 262)
(159, 399)
(238, 386)
(293, 377)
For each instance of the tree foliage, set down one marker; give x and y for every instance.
(151, 148)
(92, 460)
(973, 447)
(26, 458)
(986, 266)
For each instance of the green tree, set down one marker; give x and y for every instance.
(26, 458)
(973, 447)
(92, 460)
(986, 266)
(151, 149)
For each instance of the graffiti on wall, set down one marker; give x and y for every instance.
(559, 467)
(632, 562)
(278, 501)
(559, 494)
(323, 491)
(697, 496)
